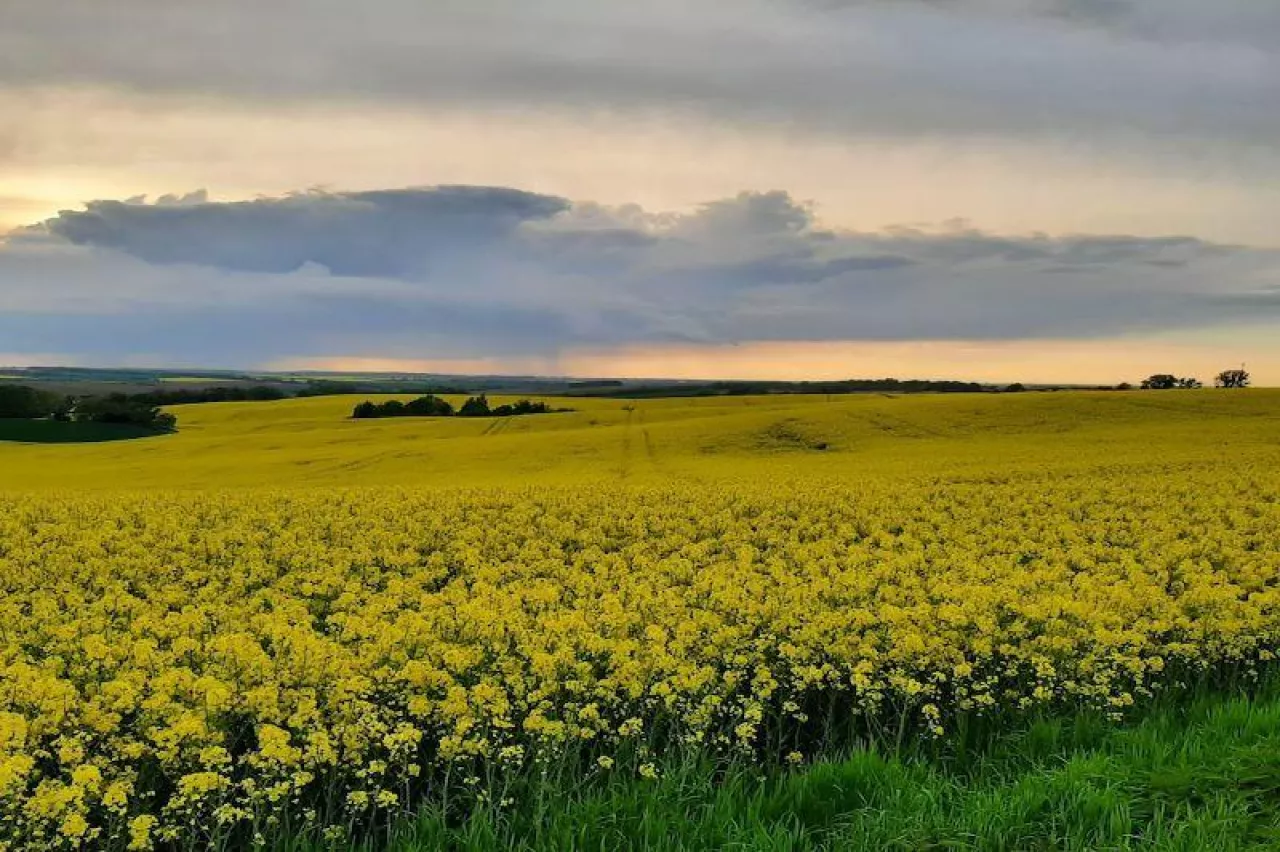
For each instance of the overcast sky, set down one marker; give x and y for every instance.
(994, 189)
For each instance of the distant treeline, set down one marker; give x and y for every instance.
(217, 393)
(433, 406)
(266, 393)
(322, 387)
(750, 388)
(28, 403)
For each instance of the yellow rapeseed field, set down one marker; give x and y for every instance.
(280, 615)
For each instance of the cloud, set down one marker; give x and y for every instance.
(1174, 71)
(1169, 21)
(476, 272)
(387, 233)
(1138, 116)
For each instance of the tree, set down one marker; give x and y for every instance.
(475, 406)
(1160, 381)
(1168, 381)
(433, 406)
(1232, 379)
(1016, 387)
(189, 396)
(65, 409)
(120, 409)
(523, 406)
(428, 406)
(27, 403)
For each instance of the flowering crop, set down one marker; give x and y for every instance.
(183, 666)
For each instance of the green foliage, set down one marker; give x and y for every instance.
(433, 406)
(121, 409)
(1232, 379)
(1168, 381)
(475, 406)
(426, 406)
(340, 387)
(1198, 773)
(753, 388)
(47, 431)
(522, 406)
(25, 402)
(233, 393)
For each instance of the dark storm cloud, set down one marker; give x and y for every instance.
(389, 233)
(473, 271)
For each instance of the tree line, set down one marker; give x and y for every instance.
(763, 387)
(1168, 381)
(332, 387)
(216, 393)
(433, 406)
(23, 402)
(268, 393)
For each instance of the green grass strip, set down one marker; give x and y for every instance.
(1200, 775)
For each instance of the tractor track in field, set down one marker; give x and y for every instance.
(624, 470)
(497, 427)
(650, 453)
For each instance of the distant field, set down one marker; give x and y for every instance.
(777, 622)
(312, 442)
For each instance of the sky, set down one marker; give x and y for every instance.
(995, 190)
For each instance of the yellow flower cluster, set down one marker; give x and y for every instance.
(183, 666)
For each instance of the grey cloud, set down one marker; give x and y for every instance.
(1175, 72)
(1171, 21)
(1180, 21)
(190, 199)
(787, 269)
(385, 233)
(469, 271)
